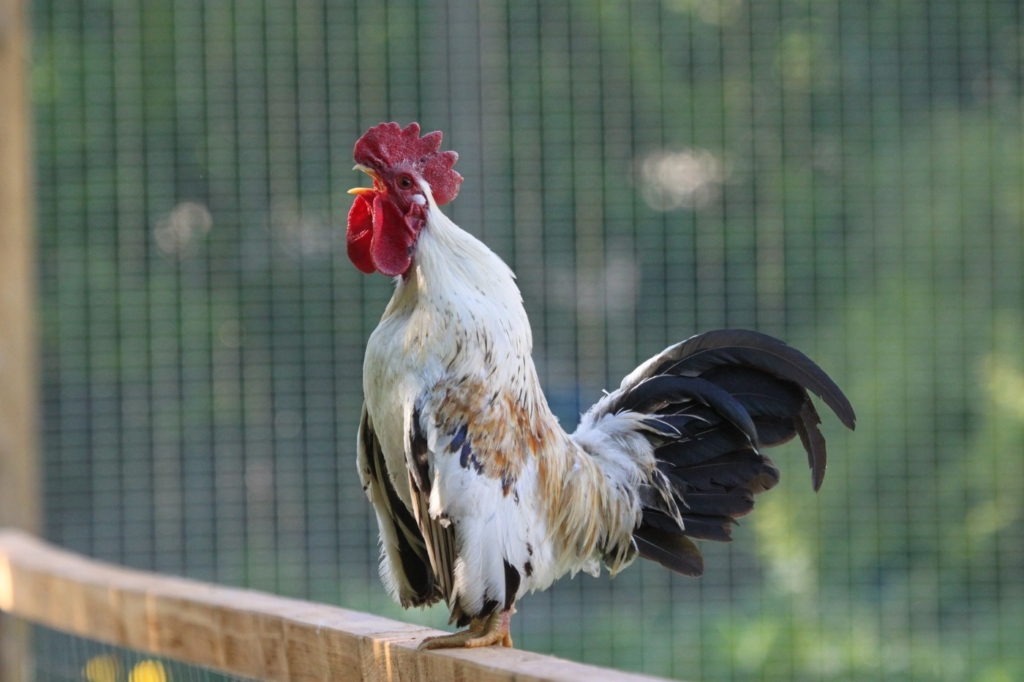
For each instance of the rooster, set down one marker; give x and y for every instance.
(480, 495)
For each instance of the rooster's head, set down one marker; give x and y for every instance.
(385, 220)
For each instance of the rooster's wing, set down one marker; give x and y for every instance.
(407, 568)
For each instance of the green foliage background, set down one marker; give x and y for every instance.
(202, 328)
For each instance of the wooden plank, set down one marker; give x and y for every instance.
(19, 496)
(243, 632)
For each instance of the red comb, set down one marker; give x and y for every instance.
(387, 145)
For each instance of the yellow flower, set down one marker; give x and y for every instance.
(149, 671)
(102, 668)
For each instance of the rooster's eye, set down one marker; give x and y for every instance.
(406, 183)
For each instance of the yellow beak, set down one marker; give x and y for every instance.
(364, 191)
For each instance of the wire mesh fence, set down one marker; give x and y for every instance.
(846, 176)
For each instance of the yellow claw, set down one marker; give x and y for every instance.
(481, 632)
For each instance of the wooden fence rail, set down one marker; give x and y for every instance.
(243, 632)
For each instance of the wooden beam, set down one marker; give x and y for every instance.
(242, 632)
(19, 488)
(19, 494)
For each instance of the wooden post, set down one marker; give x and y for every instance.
(19, 483)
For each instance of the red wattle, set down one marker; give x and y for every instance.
(391, 249)
(360, 235)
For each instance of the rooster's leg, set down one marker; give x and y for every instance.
(481, 632)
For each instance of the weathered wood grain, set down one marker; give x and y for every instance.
(244, 632)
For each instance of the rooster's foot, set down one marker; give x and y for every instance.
(481, 632)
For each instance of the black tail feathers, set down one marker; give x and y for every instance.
(715, 402)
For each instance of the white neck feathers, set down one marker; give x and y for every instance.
(455, 272)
